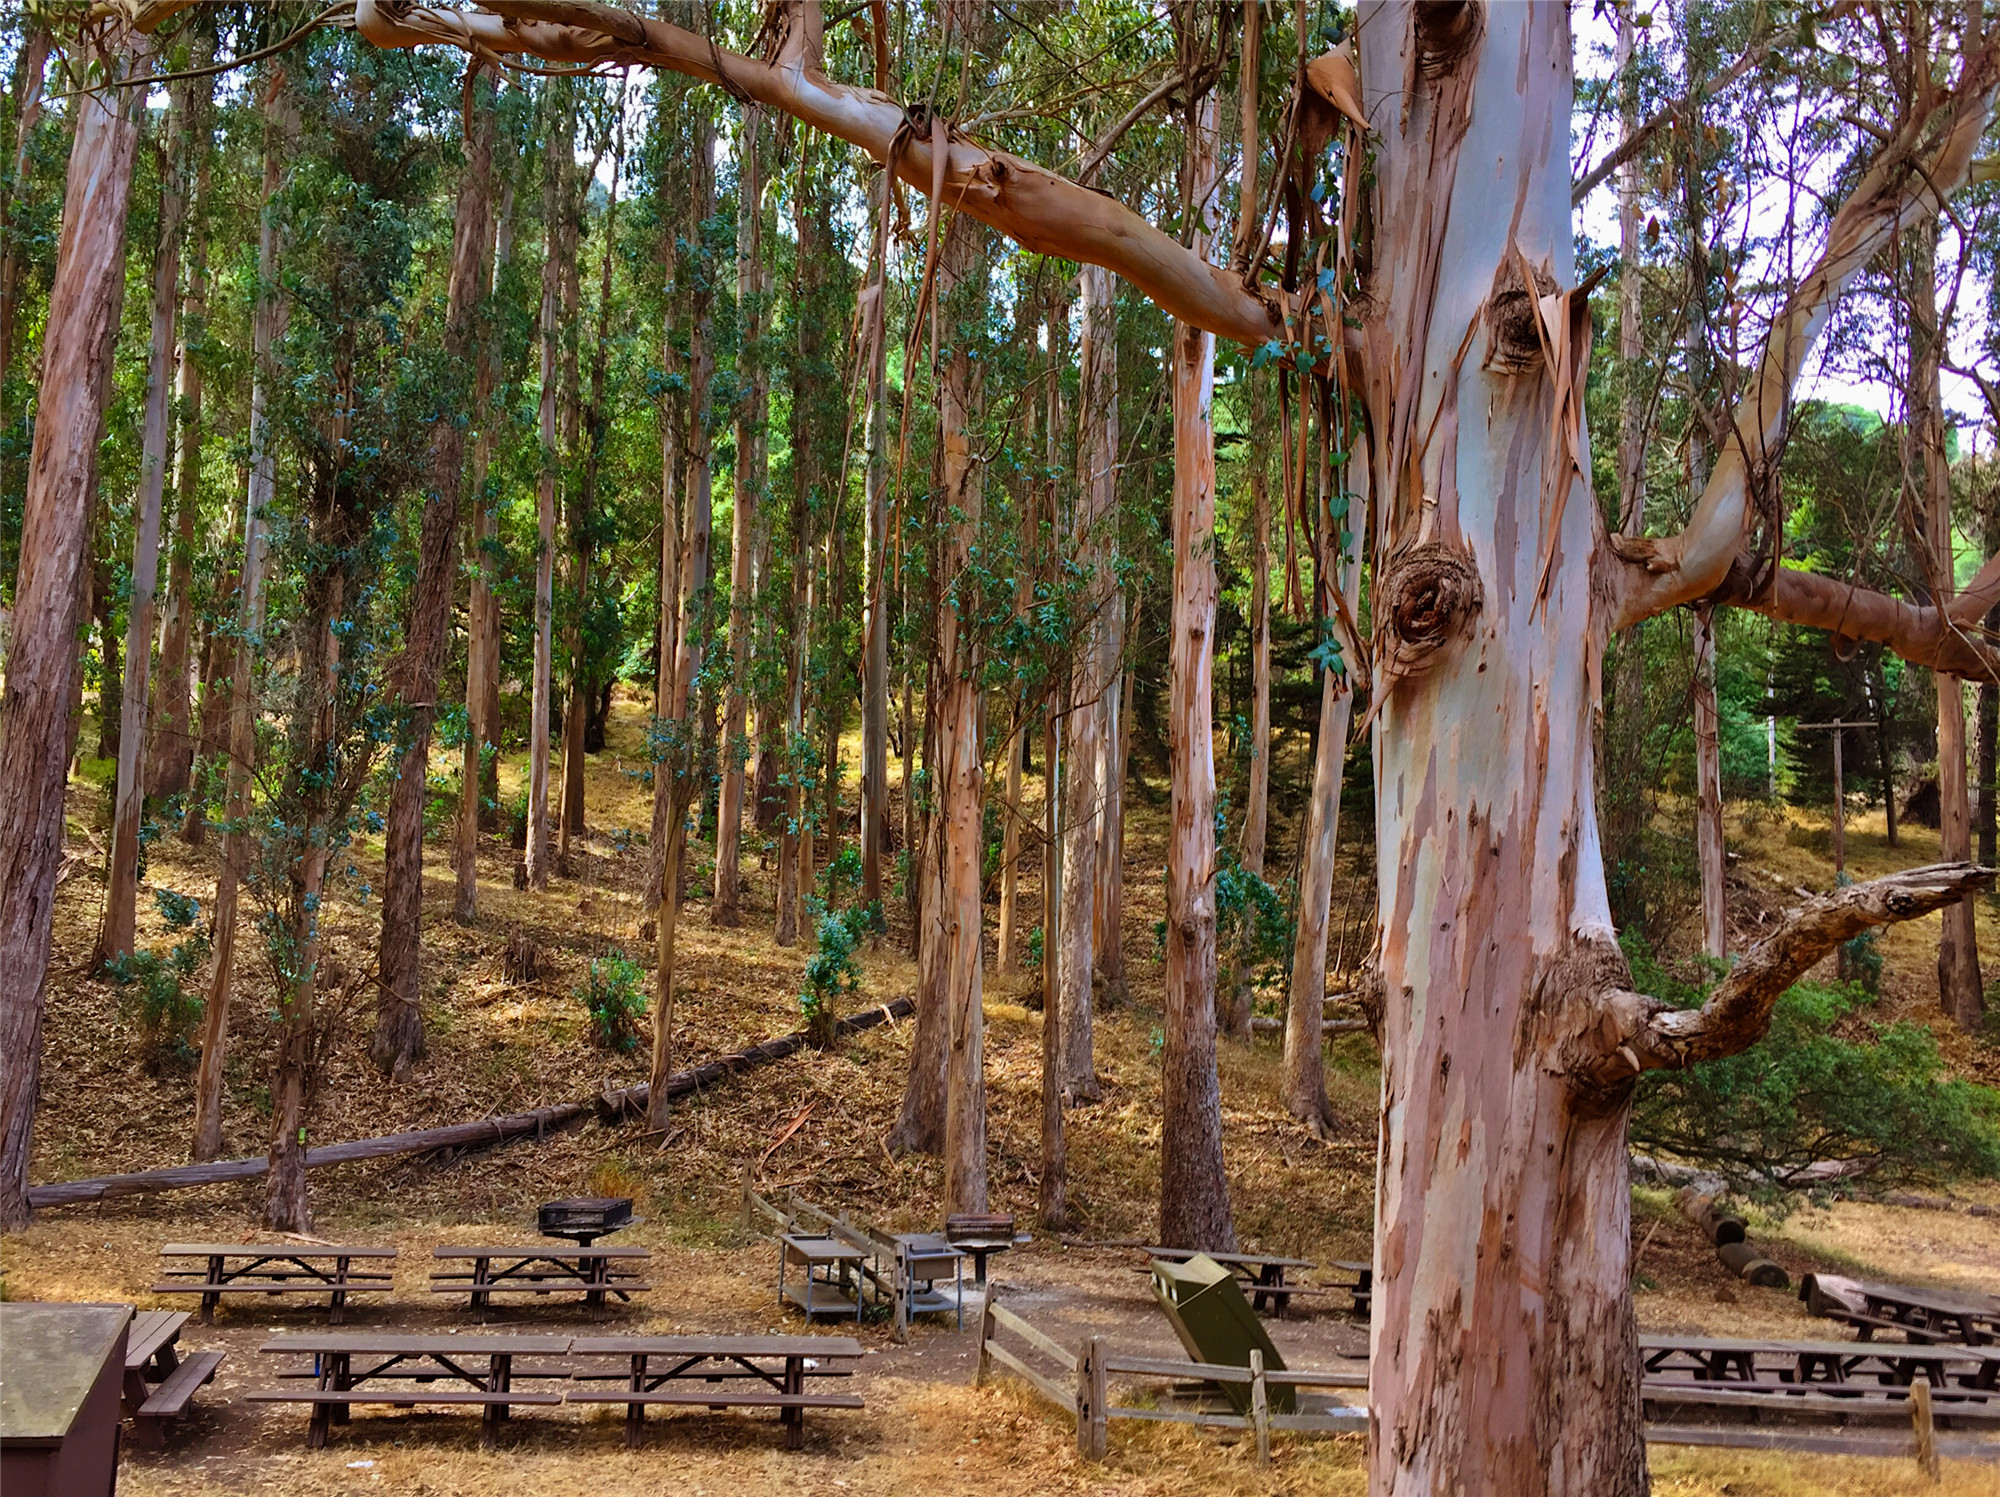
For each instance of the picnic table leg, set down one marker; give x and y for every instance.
(480, 1275)
(599, 1272)
(210, 1301)
(499, 1376)
(795, 1419)
(635, 1413)
(341, 1384)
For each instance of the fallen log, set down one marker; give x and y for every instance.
(485, 1132)
(1743, 1259)
(1721, 1227)
(1262, 1025)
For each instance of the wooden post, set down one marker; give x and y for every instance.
(1839, 810)
(1092, 1399)
(987, 1328)
(1260, 1406)
(1920, 1417)
(746, 1196)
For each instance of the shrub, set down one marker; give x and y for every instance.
(614, 995)
(832, 970)
(153, 988)
(1805, 1094)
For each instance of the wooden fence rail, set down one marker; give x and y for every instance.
(1080, 1385)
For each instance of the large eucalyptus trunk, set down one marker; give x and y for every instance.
(77, 342)
(399, 1022)
(121, 885)
(1504, 1346)
(1194, 1187)
(239, 732)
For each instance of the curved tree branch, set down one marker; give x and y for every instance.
(1900, 187)
(1738, 1011)
(1951, 641)
(1039, 210)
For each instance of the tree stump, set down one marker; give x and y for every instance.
(522, 962)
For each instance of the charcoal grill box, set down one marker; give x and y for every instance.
(585, 1217)
(61, 1371)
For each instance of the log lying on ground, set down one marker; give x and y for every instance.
(1743, 1259)
(1722, 1227)
(1262, 1025)
(483, 1133)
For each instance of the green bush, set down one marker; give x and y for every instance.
(614, 995)
(832, 971)
(153, 989)
(1805, 1094)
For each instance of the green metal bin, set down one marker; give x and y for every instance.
(1216, 1324)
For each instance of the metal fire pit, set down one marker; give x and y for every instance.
(586, 1218)
(981, 1235)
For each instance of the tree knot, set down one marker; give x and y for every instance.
(1446, 30)
(1429, 599)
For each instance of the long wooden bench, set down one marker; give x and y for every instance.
(716, 1398)
(594, 1272)
(1877, 1402)
(170, 1400)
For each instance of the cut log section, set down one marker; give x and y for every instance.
(1747, 1263)
(1721, 1227)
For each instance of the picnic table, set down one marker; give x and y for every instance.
(829, 1263)
(1926, 1315)
(1263, 1274)
(159, 1384)
(276, 1269)
(597, 1271)
(359, 1367)
(1716, 1359)
(1361, 1286)
(718, 1372)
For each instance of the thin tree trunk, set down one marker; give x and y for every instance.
(171, 757)
(1194, 1188)
(961, 776)
(399, 1022)
(240, 731)
(1097, 413)
(1052, 1194)
(110, 654)
(1256, 812)
(1110, 912)
(121, 887)
(679, 767)
(750, 480)
(482, 641)
(1339, 575)
(42, 662)
(577, 518)
(32, 65)
(875, 599)
(490, 818)
(556, 169)
(1708, 789)
(1960, 991)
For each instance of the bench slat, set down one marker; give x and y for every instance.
(254, 1286)
(401, 1395)
(719, 1398)
(172, 1397)
(269, 1250)
(544, 1286)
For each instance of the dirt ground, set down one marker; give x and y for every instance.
(498, 1047)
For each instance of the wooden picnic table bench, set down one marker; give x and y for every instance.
(1263, 1274)
(829, 1262)
(541, 1269)
(717, 1372)
(1925, 1315)
(1723, 1359)
(277, 1269)
(159, 1382)
(357, 1367)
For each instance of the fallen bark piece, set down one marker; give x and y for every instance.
(1743, 1259)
